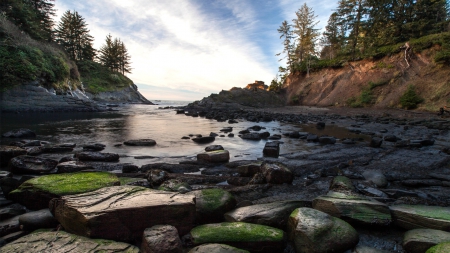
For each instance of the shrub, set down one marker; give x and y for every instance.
(410, 99)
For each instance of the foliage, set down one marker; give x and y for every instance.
(114, 55)
(410, 99)
(365, 98)
(373, 85)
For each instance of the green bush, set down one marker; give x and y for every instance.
(410, 99)
(373, 85)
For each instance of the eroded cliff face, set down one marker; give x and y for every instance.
(386, 80)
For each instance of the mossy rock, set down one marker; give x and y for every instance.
(175, 185)
(251, 237)
(36, 193)
(420, 240)
(212, 204)
(440, 248)
(61, 241)
(216, 248)
(418, 216)
(341, 183)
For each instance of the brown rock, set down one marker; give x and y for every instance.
(32, 165)
(218, 156)
(161, 239)
(277, 173)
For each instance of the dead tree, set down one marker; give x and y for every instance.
(407, 51)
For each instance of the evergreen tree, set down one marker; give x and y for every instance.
(332, 37)
(286, 33)
(114, 55)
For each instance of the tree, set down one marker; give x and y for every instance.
(114, 55)
(286, 33)
(332, 37)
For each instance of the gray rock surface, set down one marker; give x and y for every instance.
(161, 239)
(37, 220)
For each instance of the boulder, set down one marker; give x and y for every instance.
(376, 177)
(418, 216)
(353, 209)
(218, 156)
(273, 214)
(216, 248)
(212, 204)
(26, 143)
(312, 138)
(19, 133)
(276, 173)
(36, 193)
(123, 212)
(141, 142)
(72, 166)
(61, 241)
(226, 129)
(247, 236)
(4, 174)
(206, 139)
(341, 183)
(272, 149)
(375, 142)
(390, 138)
(252, 136)
(97, 156)
(440, 248)
(161, 239)
(9, 152)
(9, 226)
(8, 184)
(94, 147)
(420, 240)
(11, 211)
(213, 148)
(37, 220)
(249, 170)
(130, 168)
(327, 140)
(157, 177)
(258, 178)
(33, 165)
(313, 231)
(175, 185)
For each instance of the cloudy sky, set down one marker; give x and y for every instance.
(188, 49)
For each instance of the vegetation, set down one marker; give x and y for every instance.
(98, 78)
(410, 99)
(114, 55)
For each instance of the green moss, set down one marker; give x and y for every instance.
(235, 232)
(212, 198)
(434, 212)
(440, 248)
(294, 213)
(70, 183)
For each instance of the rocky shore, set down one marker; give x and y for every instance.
(386, 191)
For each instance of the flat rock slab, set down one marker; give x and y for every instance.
(417, 216)
(97, 156)
(251, 237)
(72, 166)
(36, 193)
(218, 156)
(9, 152)
(60, 241)
(353, 209)
(141, 142)
(32, 165)
(216, 248)
(420, 240)
(274, 214)
(123, 212)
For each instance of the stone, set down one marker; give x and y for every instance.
(276, 173)
(390, 138)
(4, 174)
(12, 237)
(212, 204)
(9, 152)
(61, 241)
(313, 231)
(26, 143)
(141, 142)
(272, 149)
(123, 212)
(440, 248)
(72, 166)
(421, 182)
(341, 183)
(11, 211)
(19, 133)
(55, 149)
(161, 239)
(376, 177)
(247, 236)
(213, 148)
(420, 240)
(9, 226)
(8, 184)
(129, 168)
(37, 220)
(97, 156)
(294, 134)
(175, 185)
(94, 147)
(32, 165)
(218, 156)
(320, 125)
(353, 209)
(203, 140)
(249, 170)
(273, 214)
(156, 177)
(264, 135)
(312, 138)
(258, 178)
(252, 136)
(226, 129)
(327, 140)
(216, 248)
(375, 142)
(36, 193)
(366, 249)
(419, 216)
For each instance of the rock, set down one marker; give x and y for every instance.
(97, 156)
(12, 237)
(230, 135)
(247, 236)
(272, 149)
(8, 184)
(420, 240)
(72, 166)
(94, 147)
(327, 140)
(11, 211)
(371, 192)
(129, 168)
(226, 129)
(26, 143)
(9, 226)
(353, 209)
(440, 248)
(264, 135)
(175, 185)
(4, 174)
(258, 178)
(252, 136)
(61, 241)
(202, 140)
(418, 216)
(249, 170)
(36, 193)
(9, 152)
(313, 231)
(212, 204)
(275, 137)
(213, 148)
(390, 138)
(161, 239)
(33, 165)
(376, 177)
(19, 133)
(312, 138)
(216, 248)
(276, 173)
(366, 249)
(185, 138)
(320, 125)
(55, 149)
(218, 156)
(341, 183)
(375, 142)
(105, 213)
(141, 142)
(273, 214)
(157, 177)
(256, 128)
(421, 182)
(37, 220)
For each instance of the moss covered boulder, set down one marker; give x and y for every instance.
(216, 248)
(341, 183)
(313, 231)
(36, 193)
(274, 214)
(420, 240)
(212, 204)
(418, 216)
(251, 237)
(61, 241)
(440, 248)
(122, 213)
(354, 209)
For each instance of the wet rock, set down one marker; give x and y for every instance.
(105, 213)
(275, 137)
(171, 168)
(175, 185)
(130, 168)
(185, 138)
(370, 191)
(264, 135)
(276, 173)
(37, 220)
(375, 142)
(94, 147)
(33, 165)
(212, 204)
(230, 135)
(141, 142)
(366, 249)
(272, 149)
(313, 231)
(440, 248)
(226, 129)
(238, 181)
(61, 241)
(249, 170)
(320, 125)
(258, 178)
(203, 140)
(419, 216)
(216, 248)
(341, 183)
(312, 138)
(26, 143)
(420, 240)
(9, 152)
(19, 133)
(376, 177)
(232, 121)
(8, 184)
(218, 156)
(161, 239)
(213, 148)
(247, 236)
(348, 141)
(9, 226)
(97, 156)
(327, 140)
(274, 214)
(4, 174)
(256, 128)
(390, 138)
(11, 211)
(72, 166)
(55, 149)
(157, 177)
(421, 182)
(252, 136)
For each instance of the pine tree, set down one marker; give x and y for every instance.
(114, 55)
(332, 37)
(286, 33)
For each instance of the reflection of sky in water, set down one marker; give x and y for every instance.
(164, 126)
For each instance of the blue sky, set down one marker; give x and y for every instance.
(188, 49)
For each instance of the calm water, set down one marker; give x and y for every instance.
(148, 122)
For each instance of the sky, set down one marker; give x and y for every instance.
(188, 49)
